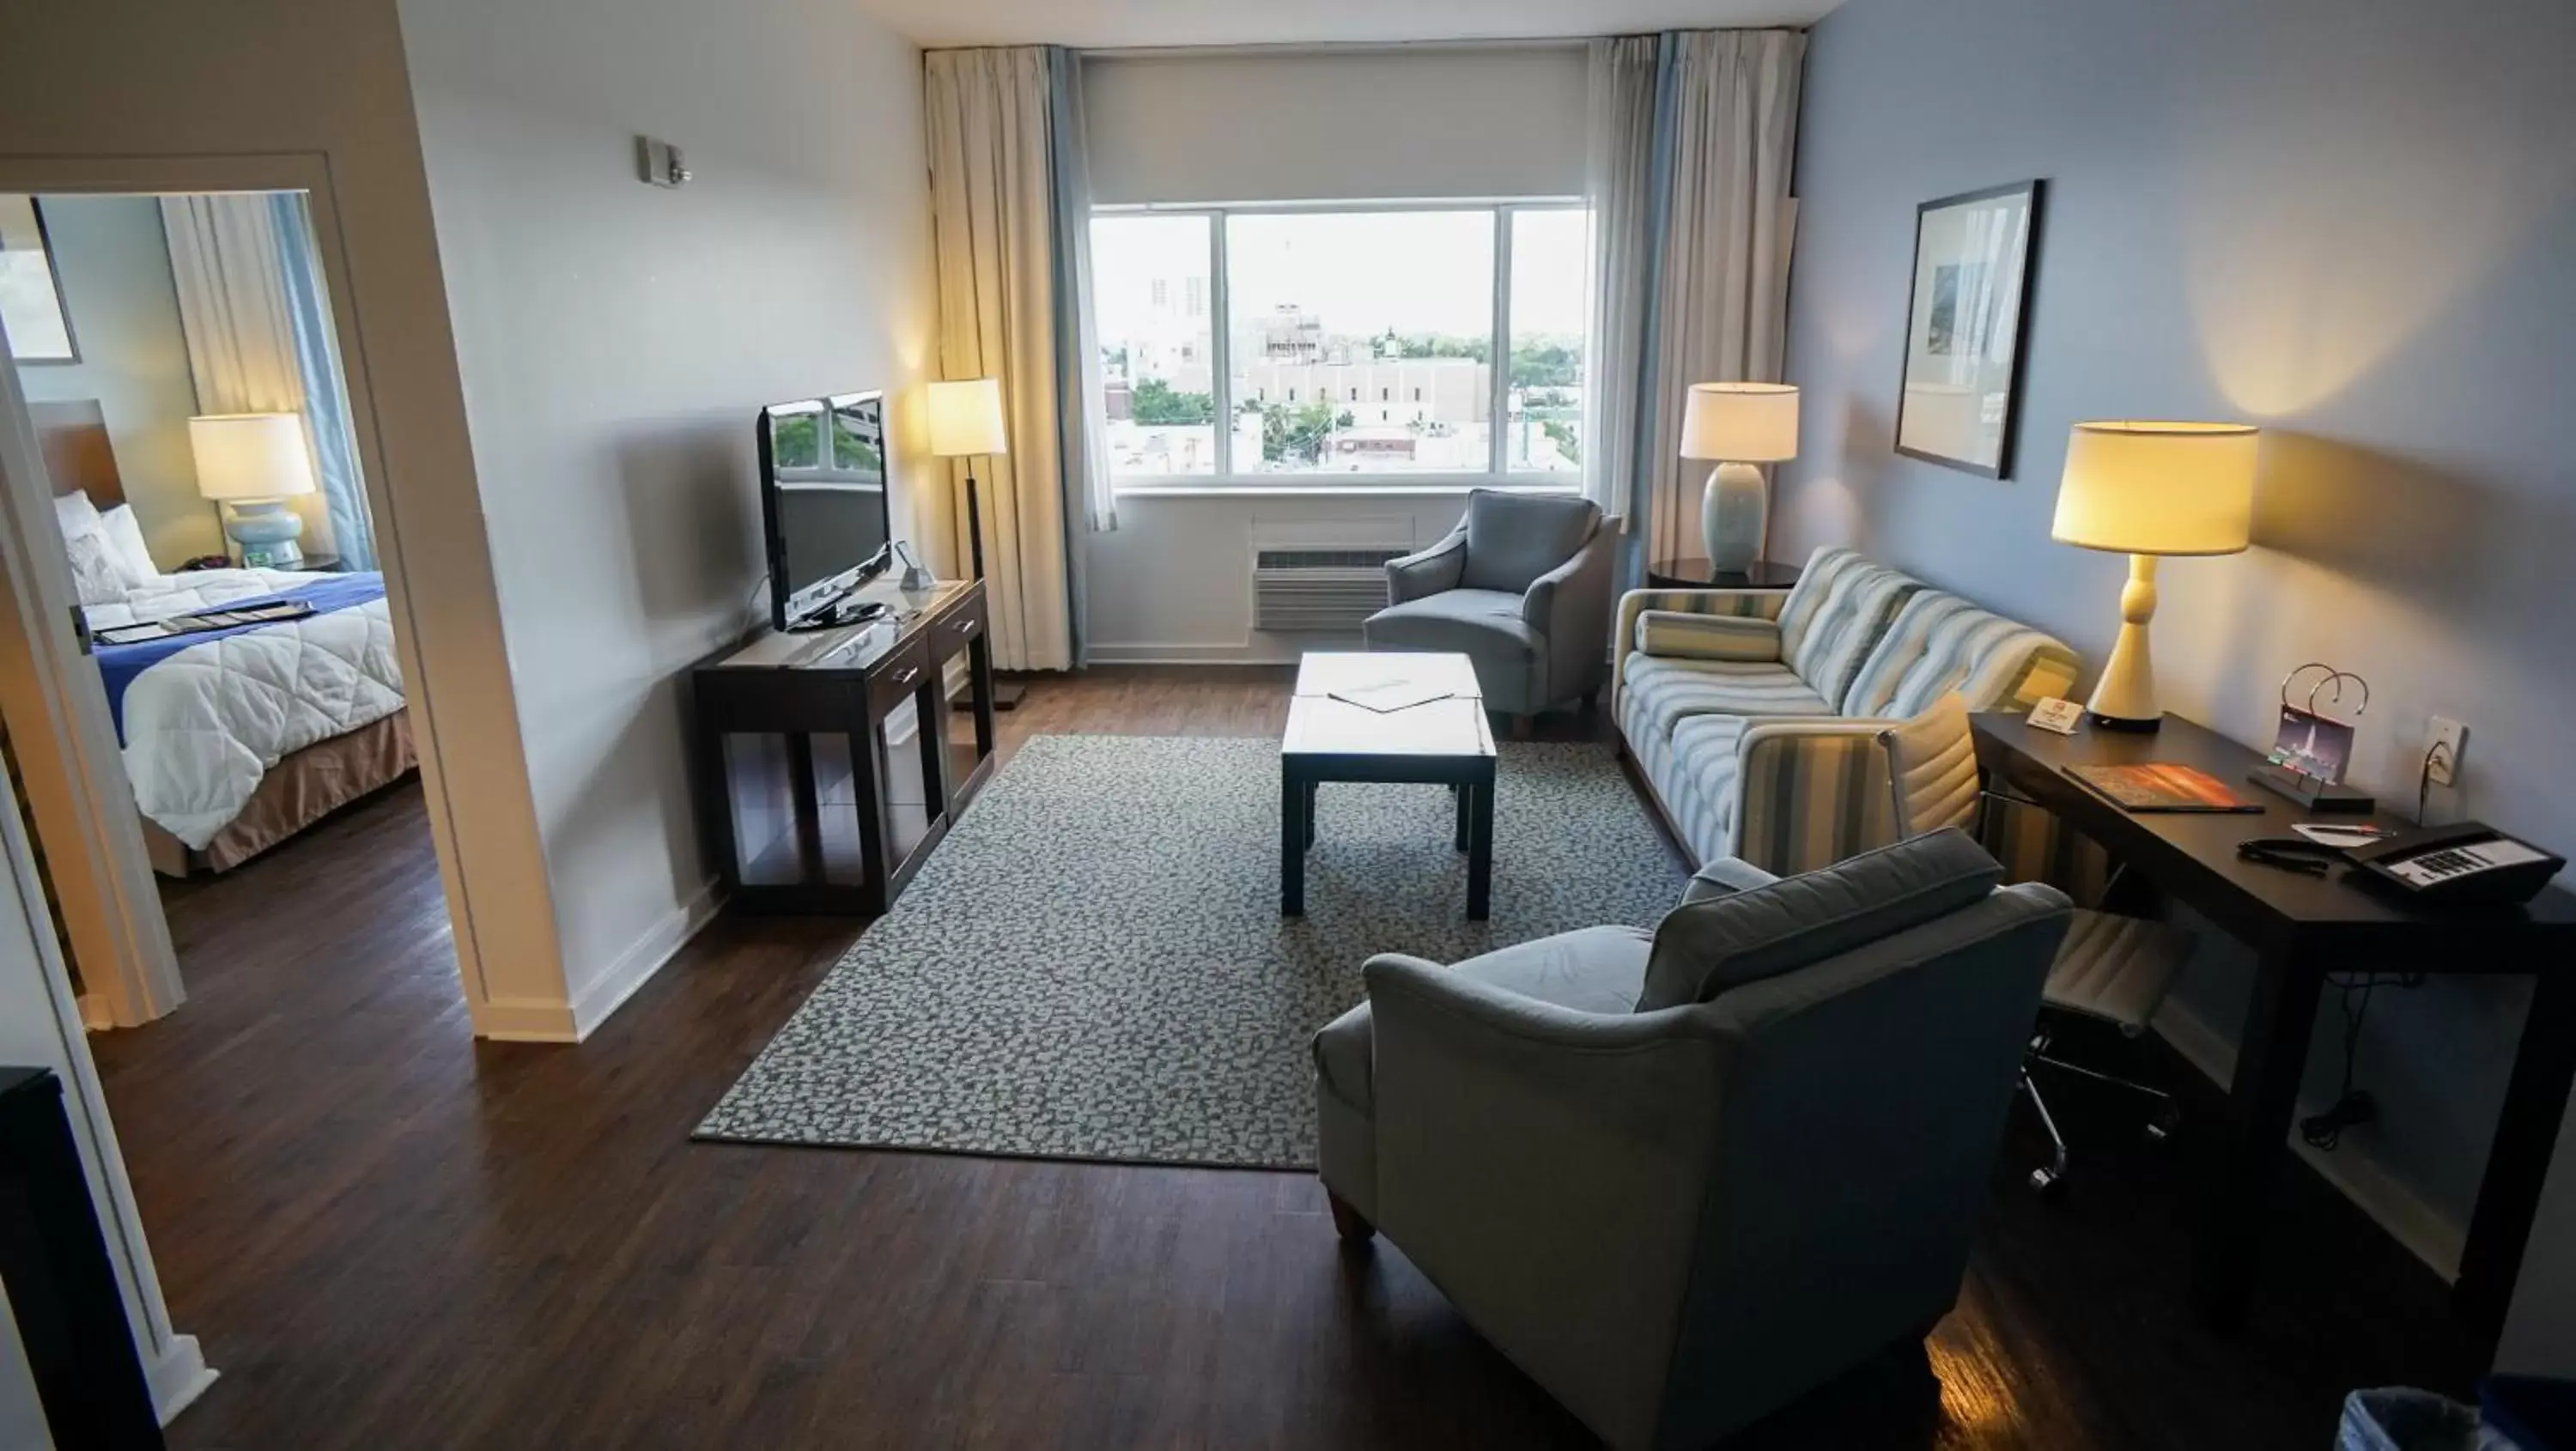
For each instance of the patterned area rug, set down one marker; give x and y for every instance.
(1093, 966)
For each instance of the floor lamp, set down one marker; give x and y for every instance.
(966, 422)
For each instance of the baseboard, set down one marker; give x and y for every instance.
(524, 1020)
(636, 965)
(1266, 651)
(2351, 1169)
(178, 1377)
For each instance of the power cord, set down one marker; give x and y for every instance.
(2353, 1106)
(2440, 751)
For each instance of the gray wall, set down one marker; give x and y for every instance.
(113, 262)
(2346, 220)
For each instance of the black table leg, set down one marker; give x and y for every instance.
(2271, 1056)
(1480, 849)
(1292, 844)
(2535, 1099)
(1310, 813)
(1465, 802)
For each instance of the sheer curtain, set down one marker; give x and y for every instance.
(258, 325)
(997, 235)
(1081, 407)
(1692, 138)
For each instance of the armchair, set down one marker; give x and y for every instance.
(1521, 587)
(1664, 1173)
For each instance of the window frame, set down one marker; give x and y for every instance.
(1227, 480)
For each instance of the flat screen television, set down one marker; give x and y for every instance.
(822, 503)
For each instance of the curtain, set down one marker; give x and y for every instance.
(1080, 402)
(1620, 184)
(990, 119)
(1729, 120)
(259, 336)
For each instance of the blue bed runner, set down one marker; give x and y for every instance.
(119, 665)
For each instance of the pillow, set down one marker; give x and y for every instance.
(75, 515)
(1676, 634)
(94, 577)
(125, 545)
(1704, 948)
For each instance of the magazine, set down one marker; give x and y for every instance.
(2159, 786)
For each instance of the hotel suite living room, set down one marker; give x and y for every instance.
(1663, 724)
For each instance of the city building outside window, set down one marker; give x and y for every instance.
(1475, 314)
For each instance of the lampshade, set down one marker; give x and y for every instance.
(1745, 423)
(242, 456)
(2158, 488)
(966, 418)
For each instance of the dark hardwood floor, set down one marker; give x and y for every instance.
(389, 1235)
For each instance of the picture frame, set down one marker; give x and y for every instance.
(31, 293)
(1967, 308)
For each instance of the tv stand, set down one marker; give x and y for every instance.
(805, 809)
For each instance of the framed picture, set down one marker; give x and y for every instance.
(31, 300)
(1971, 293)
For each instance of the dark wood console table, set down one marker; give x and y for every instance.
(2301, 929)
(825, 822)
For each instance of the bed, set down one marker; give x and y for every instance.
(234, 740)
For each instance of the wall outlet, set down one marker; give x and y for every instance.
(2442, 761)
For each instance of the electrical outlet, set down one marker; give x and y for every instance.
(2442, 761)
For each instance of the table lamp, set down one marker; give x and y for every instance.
(1738, 425)
(255, 462)
(2148, 490)
(966, 422)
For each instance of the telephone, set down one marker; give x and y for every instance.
(2466, 863)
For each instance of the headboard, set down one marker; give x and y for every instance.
(73, 438)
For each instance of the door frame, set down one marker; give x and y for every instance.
(110, 902)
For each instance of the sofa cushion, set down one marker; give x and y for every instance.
(1834, 617)
(1595, 970)
(1681, 635)
(1512, 539)
(1662, 691)
(1484, 625)
(1703, 949)
(1940, 643)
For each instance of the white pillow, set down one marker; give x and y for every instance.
(94, 577)
(76, 514)
(125, 545)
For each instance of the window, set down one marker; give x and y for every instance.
(1154, 366)
(1291, 317)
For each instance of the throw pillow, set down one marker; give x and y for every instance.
(1704, 948)
(94, 577)
(1678, 634)
(125, 546)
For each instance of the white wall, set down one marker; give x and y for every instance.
(2241, 225)
(1413, 122)
(616, 341)
(140, 94)
(113, 263)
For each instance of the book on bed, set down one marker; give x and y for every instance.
(204, 621)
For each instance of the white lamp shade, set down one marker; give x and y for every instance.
(245, 456)
(966, 418)
(1745, 423)
(2158, 488)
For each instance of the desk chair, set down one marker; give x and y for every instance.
(2114, 969)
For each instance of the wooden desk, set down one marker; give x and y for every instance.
(855, 830)
(2302, 928)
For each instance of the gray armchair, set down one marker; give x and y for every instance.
(1522, 588)
(1683, 1178)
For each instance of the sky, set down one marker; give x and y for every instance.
(1361, 272)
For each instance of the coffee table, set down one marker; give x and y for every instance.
(1445, 742)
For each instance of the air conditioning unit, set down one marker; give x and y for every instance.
(1312, 589)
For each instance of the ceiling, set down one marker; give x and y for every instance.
(1138, 23)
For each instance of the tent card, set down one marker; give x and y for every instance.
(2061, 716)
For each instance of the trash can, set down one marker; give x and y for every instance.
(2396, 1418)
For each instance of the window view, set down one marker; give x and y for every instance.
(1150, 290)
(1549, 299)
(1358, 343)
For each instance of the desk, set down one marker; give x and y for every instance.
(2302, 928)
(837, 851)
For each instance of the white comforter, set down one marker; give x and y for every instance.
(203, 726)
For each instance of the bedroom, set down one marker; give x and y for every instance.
(179, 359)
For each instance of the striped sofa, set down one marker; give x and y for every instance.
(1753, 716)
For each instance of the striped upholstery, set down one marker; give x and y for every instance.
(1703, 776)
(1685, 636)
(1941, 643)
(1662, 691)
(1809, 793)
(1750, 604)
(1835, 616)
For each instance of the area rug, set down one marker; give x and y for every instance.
(1093, 965)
